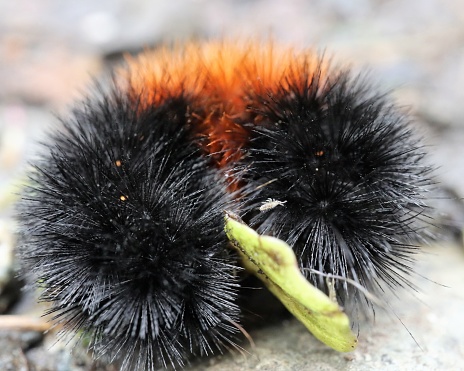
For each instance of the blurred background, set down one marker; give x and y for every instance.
(51, 49)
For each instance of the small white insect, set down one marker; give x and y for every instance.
(270, 203)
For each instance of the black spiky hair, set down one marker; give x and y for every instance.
(346, 175)
(124, 231)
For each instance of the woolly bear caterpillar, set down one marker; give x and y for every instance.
(123, 224)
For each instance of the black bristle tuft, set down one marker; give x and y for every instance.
(334, 170)
(124, 231)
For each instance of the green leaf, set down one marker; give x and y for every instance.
(274, 263)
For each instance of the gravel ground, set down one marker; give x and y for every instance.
(49, 49)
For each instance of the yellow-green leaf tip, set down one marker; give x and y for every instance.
(274, 263)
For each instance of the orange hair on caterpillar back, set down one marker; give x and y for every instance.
(219, 78)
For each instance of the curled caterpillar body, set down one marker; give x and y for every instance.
(123, 223)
